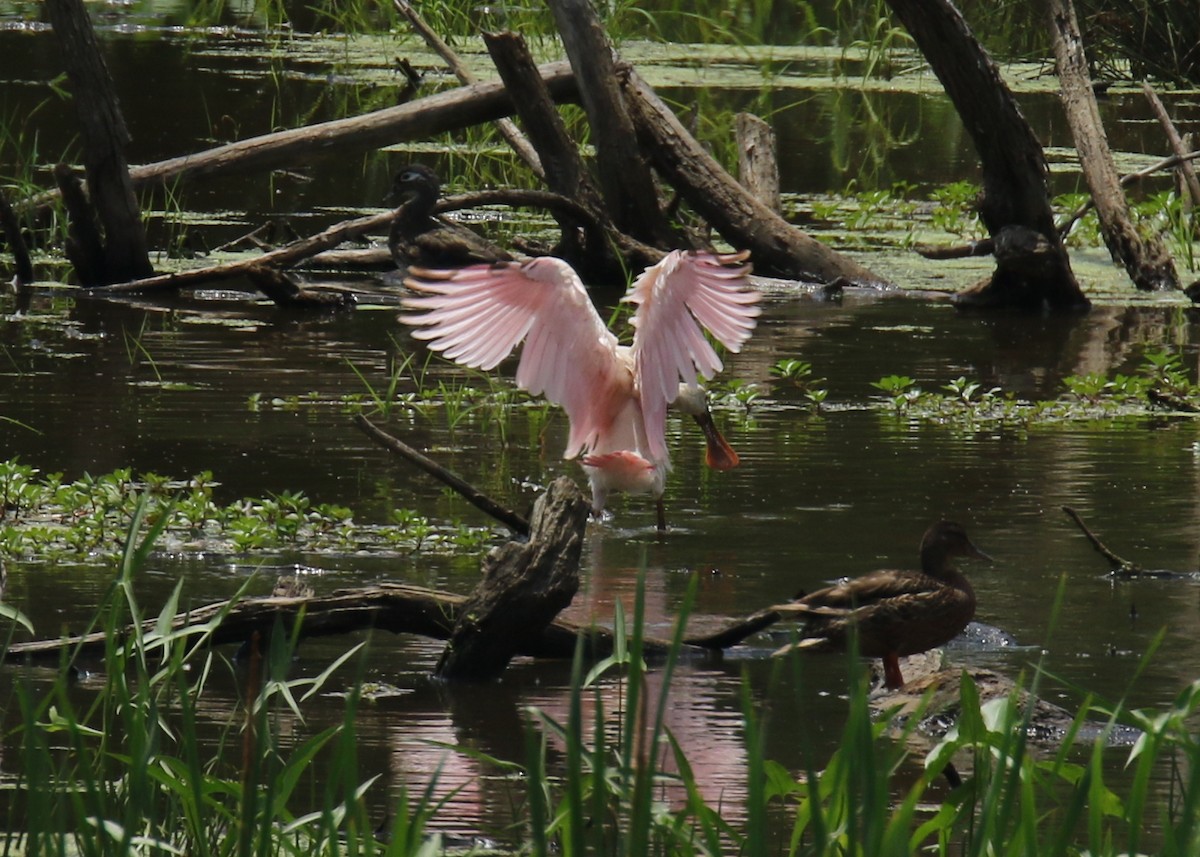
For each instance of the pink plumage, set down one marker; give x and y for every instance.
(616, 397)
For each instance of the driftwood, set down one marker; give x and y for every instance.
(525, 585)
(777, 248)
(565, 171)
(1118, 565)
(286, 292)
(1146, 259)
(1015, 173)
(425, 117)
(284, 257)
(316, 250)
(124, 254)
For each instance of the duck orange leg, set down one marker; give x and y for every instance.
(892, 679)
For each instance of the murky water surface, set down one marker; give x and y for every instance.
(213, 382)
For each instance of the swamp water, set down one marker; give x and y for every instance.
(262, 399)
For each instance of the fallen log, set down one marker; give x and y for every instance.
(424, 117)
(284, 257)
(518, 524)
(1187, 172)
(777, 248)
(517, 141)
(623, 174)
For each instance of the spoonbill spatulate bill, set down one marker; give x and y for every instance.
(616, 396)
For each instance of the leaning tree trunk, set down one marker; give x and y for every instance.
(125, 255)
(624, 176)
(1032, 268)
(1147, 260)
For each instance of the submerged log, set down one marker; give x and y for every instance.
(1146, 259)
(1118, 566)
(1015, 173)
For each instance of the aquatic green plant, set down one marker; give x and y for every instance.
(46, 518)
(799, 374)
(956, 209)
(899, 389)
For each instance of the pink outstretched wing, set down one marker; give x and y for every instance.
(477, 315)
(676, 298)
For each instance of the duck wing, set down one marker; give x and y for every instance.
(476, 316)
(679, 298)
(857, 593)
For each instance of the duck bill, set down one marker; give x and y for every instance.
(977, 553)
(720, 455)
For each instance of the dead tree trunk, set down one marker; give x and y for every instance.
(777, 248)
(758, 170)
(125, 254)
(625, 178)
(525, 586)
(1015, 193)
(564, 170)
(1147, 260)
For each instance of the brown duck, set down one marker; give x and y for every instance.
(420, 238)
(896, 612)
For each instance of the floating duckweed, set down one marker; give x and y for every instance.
(44, 517)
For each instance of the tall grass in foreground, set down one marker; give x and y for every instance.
(126, 773)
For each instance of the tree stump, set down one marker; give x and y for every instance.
(525, 586)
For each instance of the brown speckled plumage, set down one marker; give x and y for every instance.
(896, 612)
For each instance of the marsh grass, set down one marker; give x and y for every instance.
(122, 771)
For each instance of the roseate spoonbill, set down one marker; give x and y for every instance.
(418, 237)
(615, 396)
(894, 612)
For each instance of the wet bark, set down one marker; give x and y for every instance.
(624, 176)
(777, 248)
(758, 170)
(565, 171)
(1015, 191)
(124, 254)
(1145, 259)
(525, 586)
